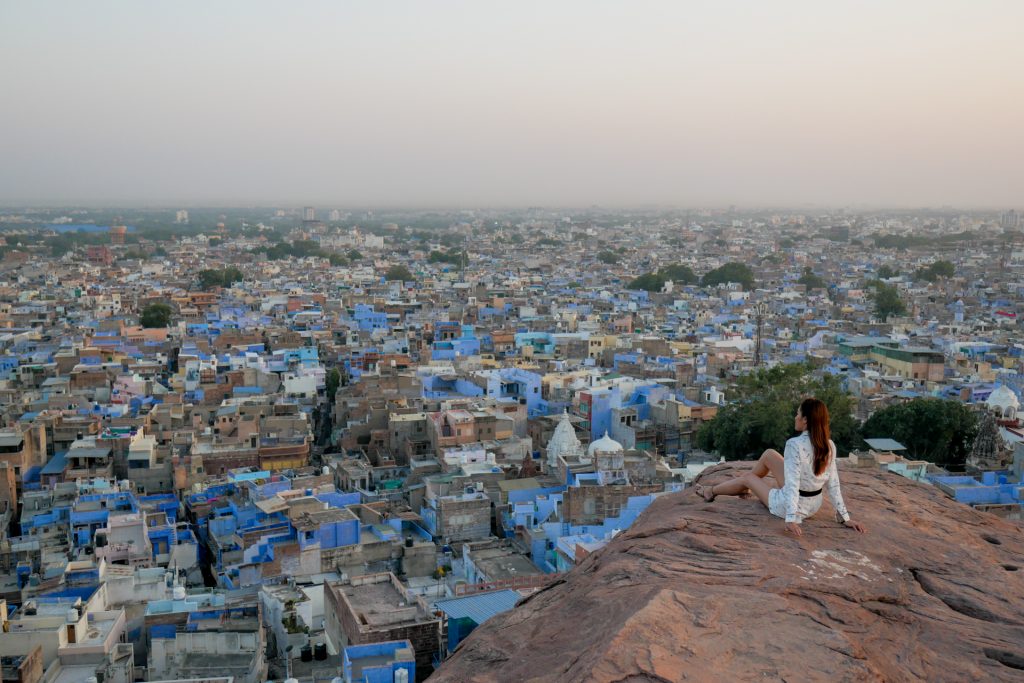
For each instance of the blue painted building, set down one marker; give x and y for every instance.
(392, 661)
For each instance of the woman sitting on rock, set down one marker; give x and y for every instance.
(808, 468)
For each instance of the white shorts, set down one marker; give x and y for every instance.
(806, 506)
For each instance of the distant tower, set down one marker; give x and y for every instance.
(117, 234)
(309, 214)
(181, 216)
(1010, 220)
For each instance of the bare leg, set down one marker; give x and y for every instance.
(732, 487)
(740, 485)
(771, 462)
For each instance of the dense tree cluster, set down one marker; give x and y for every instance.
(761, 416)
(398, 273)
(219, 277)
(653, 282)
(455, 257)
(886, 299)
(932, 429)
(155, 315)
(885, 272)
(939, 269)
(733, 271)
(811, 281)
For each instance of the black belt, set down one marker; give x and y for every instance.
(810, 494)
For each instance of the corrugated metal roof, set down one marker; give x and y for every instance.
(885, 444)
(480, 607)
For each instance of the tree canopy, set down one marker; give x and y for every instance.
(812, 281)
(653, 282)
(680, 273)
(398, 272)
(648, 282)
(222, 277)
(453, 256)
(730, 272)
(761, 417)
(885, 272)
(155, 315)
(887, 300)
(609, 257)
(333, 381)
(939, 269)
(933, 429)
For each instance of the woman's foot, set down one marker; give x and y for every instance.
(706, 492)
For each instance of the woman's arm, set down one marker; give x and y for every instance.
(832, 487)
(791, 487)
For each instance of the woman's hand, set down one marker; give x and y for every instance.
(794, 529)
(851, 524)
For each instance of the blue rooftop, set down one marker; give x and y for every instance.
(479, 608)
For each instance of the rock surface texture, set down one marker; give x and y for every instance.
(719, 591)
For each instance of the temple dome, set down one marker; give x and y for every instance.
(1004, 400)
(564, 441)
(605, 444)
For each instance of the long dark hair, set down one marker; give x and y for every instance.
(816, 414)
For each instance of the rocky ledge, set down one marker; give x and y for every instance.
(719, 591)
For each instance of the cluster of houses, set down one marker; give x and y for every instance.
(321, 470)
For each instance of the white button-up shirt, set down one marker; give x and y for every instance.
(800, 475)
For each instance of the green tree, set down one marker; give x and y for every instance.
(885, 272)
(354, 255)
(333, 381)
(649, 282)
(155, 315)
(811, 281)
(761, 415)
(887, 300)
(939, 269)
(455, 257)
(337, 259)
(222, 277)
(398, 272)
(730, 272)
(933, 429)
(680, 273)
(609, 257)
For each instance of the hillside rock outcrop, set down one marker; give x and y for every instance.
(697, 591)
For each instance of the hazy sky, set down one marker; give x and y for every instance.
(430, 102)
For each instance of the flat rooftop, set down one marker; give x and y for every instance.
(380, 606)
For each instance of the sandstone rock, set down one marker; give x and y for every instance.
(720, 592)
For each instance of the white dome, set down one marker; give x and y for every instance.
(605, 444)
(564, 441)
(1002, 397)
